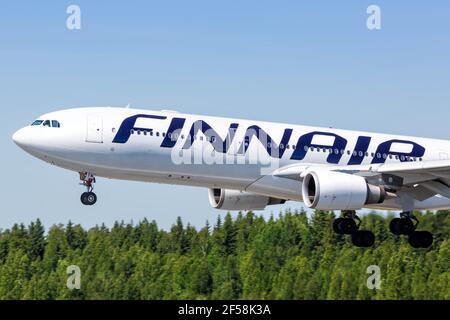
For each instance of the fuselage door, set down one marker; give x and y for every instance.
(94, 129)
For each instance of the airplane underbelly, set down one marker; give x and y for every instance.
(157, 168)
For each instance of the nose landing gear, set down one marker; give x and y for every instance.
(88, 198)
(407, 225)
(350, 224)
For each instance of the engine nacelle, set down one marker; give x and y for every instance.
(330, 190)
(234, 200)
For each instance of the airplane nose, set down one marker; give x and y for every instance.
(19, 137)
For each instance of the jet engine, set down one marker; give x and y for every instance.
(233, 200)
(331, 190)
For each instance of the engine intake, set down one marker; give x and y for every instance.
(233, 200)
(330, 190)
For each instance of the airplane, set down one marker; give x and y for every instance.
(249, 165)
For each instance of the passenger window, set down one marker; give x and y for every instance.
(46, 123)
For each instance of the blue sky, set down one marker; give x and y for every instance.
(301, 62)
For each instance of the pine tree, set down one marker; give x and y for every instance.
(36, 240)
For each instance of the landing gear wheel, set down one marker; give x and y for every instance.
(88, 198)
(337, 225)
(363, 239)
(83, 198)
(427, 239)
(347, 226)
(91, 198)
(405, 226)
(420, 239)
(393, 226)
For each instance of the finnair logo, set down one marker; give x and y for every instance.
(226, 147)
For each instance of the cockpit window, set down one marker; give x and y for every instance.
(37, 123)
(47, 123)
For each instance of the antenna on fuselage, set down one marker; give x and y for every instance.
(128, 106)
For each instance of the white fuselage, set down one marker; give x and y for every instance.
(173, 148)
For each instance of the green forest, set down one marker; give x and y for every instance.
(238, 256)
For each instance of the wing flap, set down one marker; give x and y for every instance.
(437, 187)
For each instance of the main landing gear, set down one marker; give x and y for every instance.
(350, 224)
(88, 198)
(407, 225)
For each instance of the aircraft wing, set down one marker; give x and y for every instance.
(423, 179)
